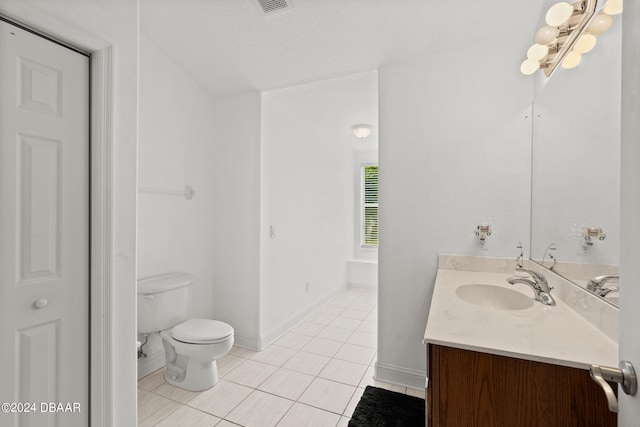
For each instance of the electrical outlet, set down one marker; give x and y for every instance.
(272, 231)
(307, 286)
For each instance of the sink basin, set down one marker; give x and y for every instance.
(496, 297)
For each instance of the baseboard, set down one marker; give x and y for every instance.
(399, 375)
(293, 320)
(250, 342)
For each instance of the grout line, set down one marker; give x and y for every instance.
(354, 300)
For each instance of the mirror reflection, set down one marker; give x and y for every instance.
(575, 228)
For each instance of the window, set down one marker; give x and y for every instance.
(369, 211)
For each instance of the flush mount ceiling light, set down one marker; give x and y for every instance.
(361, 131)
(570, 32)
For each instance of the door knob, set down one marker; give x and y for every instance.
(625, 376)
(41, 303)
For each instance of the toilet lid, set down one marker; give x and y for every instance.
(202, 331)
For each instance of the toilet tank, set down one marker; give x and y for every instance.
(163, 301)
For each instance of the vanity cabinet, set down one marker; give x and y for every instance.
(470, 388)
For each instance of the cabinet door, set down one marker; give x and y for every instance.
(468, 388)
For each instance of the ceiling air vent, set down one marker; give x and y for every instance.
(272, 6)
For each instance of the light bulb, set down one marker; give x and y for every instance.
(546, 34)
(558, 14)
(571, 60)
(537, 52)
(613, 7)
(585, 43)
(600, 24)
(529, 66)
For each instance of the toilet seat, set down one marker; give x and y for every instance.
(202, 331)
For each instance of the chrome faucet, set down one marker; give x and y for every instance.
(537, 282)
(596, 285)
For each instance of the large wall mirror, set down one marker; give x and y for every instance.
(575, 222)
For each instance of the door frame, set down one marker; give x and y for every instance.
(101, 73)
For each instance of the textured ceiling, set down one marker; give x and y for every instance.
(229, 46)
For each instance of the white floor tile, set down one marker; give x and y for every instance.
(363, 339)
(286, 383)
(343, 372)
(354, 314)
(274, 355)
(416, 392)
(319, 362)
(242, 352)
(320, 318)
(367, 378)
(322, 346)
(368, 327)
(345, 323)
(307, 363)
(260, 410)
(152, 380)
(335, 334)
(344, 422)
(341, 303)
(153, 408)
(292, 340)
(250, 373)
(189, 417)
(363, 305)
(330, 310)
(175, 393)
(228, 363)
(348, 412)
(328, 395)
(307, 328)
(220, 399)
(308, 416)
(356, 353)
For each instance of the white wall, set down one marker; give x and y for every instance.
(235, 260)
(176, 135)
(307, 194)
(454, 153)
(97, 25)
(576, 163)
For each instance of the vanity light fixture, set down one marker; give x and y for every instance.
(361, 131)
(570, 32)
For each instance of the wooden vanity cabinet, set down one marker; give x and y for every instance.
(469, 388)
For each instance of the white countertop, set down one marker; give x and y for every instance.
(551, 334)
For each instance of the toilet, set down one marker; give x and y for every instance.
(191, 346)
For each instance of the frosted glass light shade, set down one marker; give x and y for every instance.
(600, 24)
(585, 43)
(529, 66)
(613, 7)
(571, 60)
(537, 52)
(361, 131)
(558, 14)
(546, 34)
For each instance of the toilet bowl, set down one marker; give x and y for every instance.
(191, 349)
(191, 346)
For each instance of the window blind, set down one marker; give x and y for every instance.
(370, 205)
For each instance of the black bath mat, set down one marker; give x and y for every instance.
(383, 408)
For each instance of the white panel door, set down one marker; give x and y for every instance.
(44, 230)
(630, 210)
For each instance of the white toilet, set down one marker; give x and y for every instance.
(191, 347)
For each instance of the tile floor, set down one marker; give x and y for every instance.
(314, 375)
